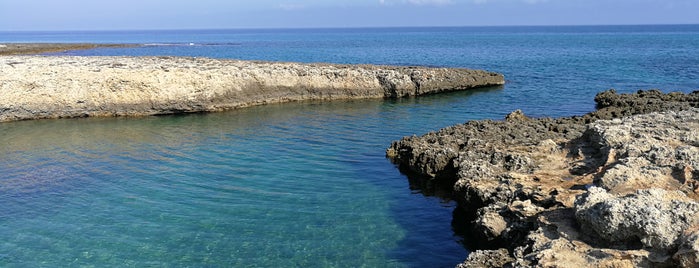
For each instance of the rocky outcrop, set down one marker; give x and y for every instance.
(37, 48)
(584, 191)
(648, 150)
(654, 218)
(33, 87)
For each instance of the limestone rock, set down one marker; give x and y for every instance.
(516, 181)
(654, 217)
(33, 87)
(656, 150)
(487, 259)
(642, 102)
(491, 223)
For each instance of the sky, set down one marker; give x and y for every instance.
(65, 15)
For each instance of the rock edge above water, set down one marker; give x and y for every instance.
(36, 87)
(38, 48)
(618, 187)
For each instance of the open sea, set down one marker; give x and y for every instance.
(302, 184)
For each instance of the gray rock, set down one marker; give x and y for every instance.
(613, 105)
(525, 173)
(654, 217)
(688, 253)
(651, 150)
(487, 259)
(489, 223)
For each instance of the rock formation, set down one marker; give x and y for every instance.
(617, 187)
(652, 217)
(37, 48)
(33, 87)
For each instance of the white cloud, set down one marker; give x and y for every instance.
(416, 2)
(289, 7)
(525, 1)
(450, 2)
(430, 2)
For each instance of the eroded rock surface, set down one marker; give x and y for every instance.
(33, 87)
(516, 182)
(651, 150)
(653, 217)
(688, 253)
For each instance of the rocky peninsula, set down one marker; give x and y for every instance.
(35, 87)
(618, 187)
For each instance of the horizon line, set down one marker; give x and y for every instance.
(347, 28)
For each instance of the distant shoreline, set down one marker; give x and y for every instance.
(7, 49)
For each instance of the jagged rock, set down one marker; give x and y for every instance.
(654, 217)
(516, 115)
(525, 208)
(527, 173)
(688, 253)
(490, 223)
(653, 150)
(642, 102)
(556, 243)
(33, 87)
(487, 259)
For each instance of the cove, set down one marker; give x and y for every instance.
(303, 183)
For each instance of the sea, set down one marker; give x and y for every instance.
(302, 184)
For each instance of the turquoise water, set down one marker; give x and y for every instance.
(298, 184)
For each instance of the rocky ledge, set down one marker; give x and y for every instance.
(618, 187)
(38, 48)
(34, 87)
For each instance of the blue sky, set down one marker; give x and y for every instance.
(22, 15)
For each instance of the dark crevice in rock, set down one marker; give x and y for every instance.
(416, 82)
(428, 186)
(388, 87)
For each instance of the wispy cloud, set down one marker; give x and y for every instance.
(430, 2)
(417, 2)
(291, 7)
(524, 1)
(535, 1)
(450, 2)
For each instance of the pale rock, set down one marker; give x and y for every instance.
(654, 217)
(34, 87)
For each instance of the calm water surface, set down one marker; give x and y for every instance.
(299, 184)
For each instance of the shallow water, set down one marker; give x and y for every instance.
(300, 184)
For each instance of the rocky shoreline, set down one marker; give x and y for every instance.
(618, 187)
(38, 48)
(37, 87)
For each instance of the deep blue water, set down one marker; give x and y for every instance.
(299, 184)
